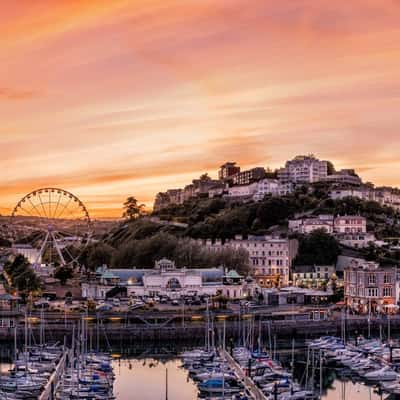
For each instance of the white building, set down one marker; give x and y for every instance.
(384, 196)
(308, 225)
(270, 257)
(304, 169)
(242, 190)
(344, 177)
(388, 197)
(362, 193)
(166, 280)
(258, 190)
(350, 224)
(272, 187)
(317, 273)
(356, 240)
(29, 252)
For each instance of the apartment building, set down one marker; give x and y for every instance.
(356, 240)
(249, 176)
(389, 197)
(303, 274)
(242, 191)
(344, 177)
(303, 170)
(308, 225)
(350, 224)
(227, 170)
(369, 287)
(362, 193)
(271, 187)
(270, 257)
(258, 190)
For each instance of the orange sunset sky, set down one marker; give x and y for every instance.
(112, 98)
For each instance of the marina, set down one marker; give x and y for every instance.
(48, 371)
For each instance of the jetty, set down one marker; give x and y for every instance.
(50, 388)
(251, 388)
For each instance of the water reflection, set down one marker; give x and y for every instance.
(146, 380)
(342, 390)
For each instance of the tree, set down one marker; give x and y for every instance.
(331, 168)
(133, 210)
(205, 177)
(4, 242)
(63, 274)
(317, 248)
(274, 210)
(22, 276)
(96, 255)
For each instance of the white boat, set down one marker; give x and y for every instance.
(383, 374)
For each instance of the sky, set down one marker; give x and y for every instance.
(115, 98)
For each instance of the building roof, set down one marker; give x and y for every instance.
(136, 275)
(301, 269)
(345, 261)
(108, 275)
(233, 274)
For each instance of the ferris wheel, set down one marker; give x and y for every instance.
(53, 224)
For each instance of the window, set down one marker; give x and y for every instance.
(387, 292)
(387, 278)
(373, 292)
(173, 283)
(371, 279)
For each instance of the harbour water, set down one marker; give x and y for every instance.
(146, 379)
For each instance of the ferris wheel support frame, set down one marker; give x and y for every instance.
(62, 211)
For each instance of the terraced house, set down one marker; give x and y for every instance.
(270, 258)
(368, 287)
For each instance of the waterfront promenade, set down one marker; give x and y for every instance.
(156, 327)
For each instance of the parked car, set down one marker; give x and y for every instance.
(136, 305)
(42, 304)
(104, 307)
(175, 302)
(196, 302)
(116, 302)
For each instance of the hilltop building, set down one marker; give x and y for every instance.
(303, 170)
(344, 177)
(258, 190)
(249, 176)
(350, 224)
(227, 170)
(308, 225)
(385, 196)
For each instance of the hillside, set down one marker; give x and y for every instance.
(219, 218)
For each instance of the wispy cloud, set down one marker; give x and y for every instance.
(142, 96)
(16, 94)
